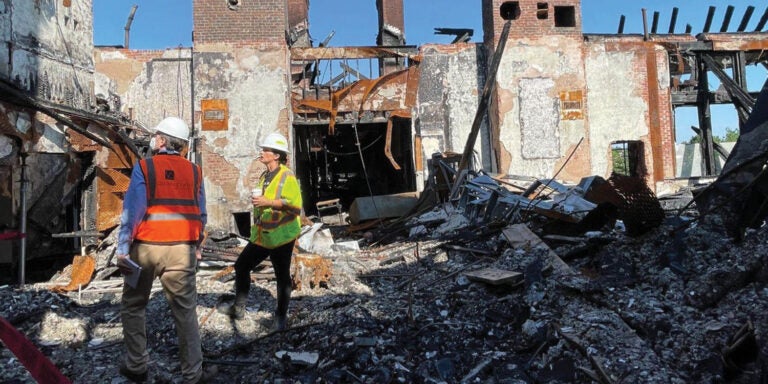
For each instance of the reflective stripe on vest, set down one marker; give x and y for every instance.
(173, 214)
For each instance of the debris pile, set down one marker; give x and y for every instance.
(487, 283)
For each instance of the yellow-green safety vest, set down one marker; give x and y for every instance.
(273, 228)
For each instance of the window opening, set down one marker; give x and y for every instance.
(542, 11)
(510, 10)
(565, 16)
(627, 158)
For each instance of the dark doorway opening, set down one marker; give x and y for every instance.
(329, 166)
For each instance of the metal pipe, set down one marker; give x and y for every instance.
(194, 139)
(645, 25)
(128, 25)
(23, 242)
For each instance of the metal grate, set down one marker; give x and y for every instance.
(640, 209)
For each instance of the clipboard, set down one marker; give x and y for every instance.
(132, 279)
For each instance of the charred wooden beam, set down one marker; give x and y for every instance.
(745, 18)
(727, 19)
(742, 99)
(705, 119)
(490, 85)
(710, 15)
(762, 21)
(738, 196)
(673, 20)
(462, 34)
(329, 53)
(655, 22)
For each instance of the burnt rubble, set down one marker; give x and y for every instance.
(475, 289)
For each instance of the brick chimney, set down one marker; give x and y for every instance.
(391, 31)
(530, 18)
(298, 23)
(240, 21)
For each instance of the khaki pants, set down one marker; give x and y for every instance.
(175, 266)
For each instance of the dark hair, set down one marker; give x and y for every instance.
(283, 156)
(174, 143)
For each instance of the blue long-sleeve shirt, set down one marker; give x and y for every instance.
(135, 207)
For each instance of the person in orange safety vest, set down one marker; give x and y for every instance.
(161, 228)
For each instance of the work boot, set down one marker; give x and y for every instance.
(132, 376)
(209, 372)
(281, 322)
(233, 310)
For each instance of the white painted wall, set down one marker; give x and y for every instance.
(52, 49)
(256, 88)
(617, 110)
(531, 75)
(162, 89)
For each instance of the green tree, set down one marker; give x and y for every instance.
(731, 135)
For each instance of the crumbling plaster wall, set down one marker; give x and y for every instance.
(449, 89)
(533, 136)
(152, 85)
(617, 109)
(622, 93)
(5, 35)
(46, 53)
(51, 50)
(254, 82)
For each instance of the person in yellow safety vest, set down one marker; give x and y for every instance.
(276, 226)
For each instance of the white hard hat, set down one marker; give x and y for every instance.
(275, 141)
(173, 126)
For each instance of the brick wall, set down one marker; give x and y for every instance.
(130, 54)
(533, 21)
(391, 12)
(254, 21)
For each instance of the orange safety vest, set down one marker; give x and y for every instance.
(173, 214)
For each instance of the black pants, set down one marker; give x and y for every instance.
(251, 256)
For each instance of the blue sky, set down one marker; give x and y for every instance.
(160, 24)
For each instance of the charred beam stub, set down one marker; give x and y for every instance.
(463, 35)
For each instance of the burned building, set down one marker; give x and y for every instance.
(59, 128)
(489, 284)
(366, 120)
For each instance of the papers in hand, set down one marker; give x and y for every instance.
(133, 278)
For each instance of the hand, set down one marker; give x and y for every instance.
(261, 201)
(122, 265)
(198, 253)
